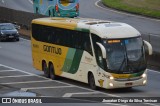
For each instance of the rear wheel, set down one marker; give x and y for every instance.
(36, 10)
(52, 72)
(45, 69)
(91, 82)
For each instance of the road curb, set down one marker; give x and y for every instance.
(99, 4)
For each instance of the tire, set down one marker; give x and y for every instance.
(91, 82)
(53, 13)
(17, 39)
(52, 73)
(45, 70)
(37, 10)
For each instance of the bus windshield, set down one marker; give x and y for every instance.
(125, 55)
(66, 1)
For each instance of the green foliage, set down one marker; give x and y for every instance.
(124, 6)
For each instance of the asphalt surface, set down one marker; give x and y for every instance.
(22, 5)
(91, 9)
(88, 9)
(18, 76)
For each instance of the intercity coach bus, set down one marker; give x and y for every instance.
(101, 53)
(57, 8)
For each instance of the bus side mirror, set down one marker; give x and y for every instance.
(149, 47)
(102, 49)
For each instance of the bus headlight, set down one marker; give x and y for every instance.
(111, 78)
(110, 84)
(144, 75)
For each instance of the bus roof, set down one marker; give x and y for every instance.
(102, 28)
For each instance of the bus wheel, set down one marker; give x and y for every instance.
(52, 73)
(91, 82)
(45, 69)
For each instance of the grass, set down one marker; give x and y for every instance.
(150, 8)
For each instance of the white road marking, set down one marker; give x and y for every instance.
(0, 47)
(86, 100)
(26, 82)
(3, 1)
(71, 94)
(68, 85)
(15, 76)
(7, 70)
(63, 82)
(154, 71)
(17, 69)
(54, 87)
(119, 12)
(30, 1)
(25, 39)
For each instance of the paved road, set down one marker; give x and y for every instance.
(17, 74)
(23, 5)
(88, 9)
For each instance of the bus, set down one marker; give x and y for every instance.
(57, 8)
(100, 53)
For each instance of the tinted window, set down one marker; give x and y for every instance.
(66, 1)
(64, 37)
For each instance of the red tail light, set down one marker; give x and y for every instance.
(77, 7)
(57, 9)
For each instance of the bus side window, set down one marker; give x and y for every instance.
(98, 53)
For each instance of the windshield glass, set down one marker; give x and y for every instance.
(7, 27)
(125, 55)
(66, 1)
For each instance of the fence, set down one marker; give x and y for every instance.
(24, 19)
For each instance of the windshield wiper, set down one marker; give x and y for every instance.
(124, 61)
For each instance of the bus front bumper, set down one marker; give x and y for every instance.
(126, 84)
(70, 14)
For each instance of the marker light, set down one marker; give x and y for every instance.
(144, 75)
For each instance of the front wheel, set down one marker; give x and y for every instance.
(17, 39)
(92, 82)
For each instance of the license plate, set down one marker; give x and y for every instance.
(11, 36)
(129, 84)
